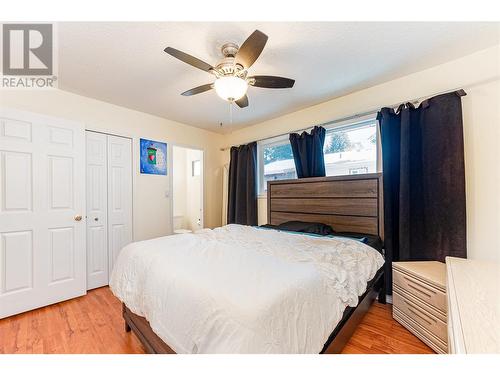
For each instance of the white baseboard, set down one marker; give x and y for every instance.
(388, 299)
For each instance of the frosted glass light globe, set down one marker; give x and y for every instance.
(230, 88)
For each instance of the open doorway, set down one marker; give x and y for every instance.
(187, 190)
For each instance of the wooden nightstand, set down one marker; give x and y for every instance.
(419, 301)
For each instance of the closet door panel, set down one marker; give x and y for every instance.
(97, 208)
(119, 195)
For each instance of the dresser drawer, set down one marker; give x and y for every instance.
(434, 342)
(428, 308)
(431, 323)
(417, 288)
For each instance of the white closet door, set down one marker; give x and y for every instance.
(97, 210)
(119, 195)
(42, 198)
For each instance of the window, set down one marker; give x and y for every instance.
(195, 168)
(275, 161)
(350, 148)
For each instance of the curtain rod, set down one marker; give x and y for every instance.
(372, 111)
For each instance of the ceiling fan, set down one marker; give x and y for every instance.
(231, 73)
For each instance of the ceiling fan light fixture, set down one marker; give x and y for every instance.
(231, 88)
(231, 83)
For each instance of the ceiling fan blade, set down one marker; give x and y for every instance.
(243, 102)
(272, 82)
(188, 59)
(251, 49)
(198, 90)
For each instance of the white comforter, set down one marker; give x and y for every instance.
(239, 289)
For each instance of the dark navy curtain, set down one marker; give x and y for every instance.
(242, 197)
(424, 181)
(308, 152)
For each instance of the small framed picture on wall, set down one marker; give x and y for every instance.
(153, 157)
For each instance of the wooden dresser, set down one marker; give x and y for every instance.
(419, 301)
(474, 306)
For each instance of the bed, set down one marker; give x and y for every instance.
(240, 289)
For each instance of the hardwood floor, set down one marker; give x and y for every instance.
(379, 333)
(93, 324)
(88, 324)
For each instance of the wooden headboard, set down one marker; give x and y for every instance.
(348, 203)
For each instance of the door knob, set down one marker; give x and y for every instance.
(78, 217)
(96, 219)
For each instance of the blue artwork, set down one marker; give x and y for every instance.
(153, 157)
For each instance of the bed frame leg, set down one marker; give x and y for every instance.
(381, 296)
(124, 314)
(382, 292)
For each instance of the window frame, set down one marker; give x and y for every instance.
(261, 145)
(337, 126)
(358, 122)
(196, 168)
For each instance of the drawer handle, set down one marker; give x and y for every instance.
(424, 318)
(418, 288)
(415, 310)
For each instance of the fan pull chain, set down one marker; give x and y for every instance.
(231, 112)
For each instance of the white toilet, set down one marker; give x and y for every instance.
(178, 225)
(182, 231)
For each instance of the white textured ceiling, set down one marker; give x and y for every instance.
(124, 63)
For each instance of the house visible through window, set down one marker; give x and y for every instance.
(349, 149)
(275, 161)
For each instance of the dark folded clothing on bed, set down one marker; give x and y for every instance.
(369, 239)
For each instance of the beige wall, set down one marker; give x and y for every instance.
(481, 111)
(479, 74)
(151, 205)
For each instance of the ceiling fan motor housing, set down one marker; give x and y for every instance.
(229, 49)
(227, 66)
